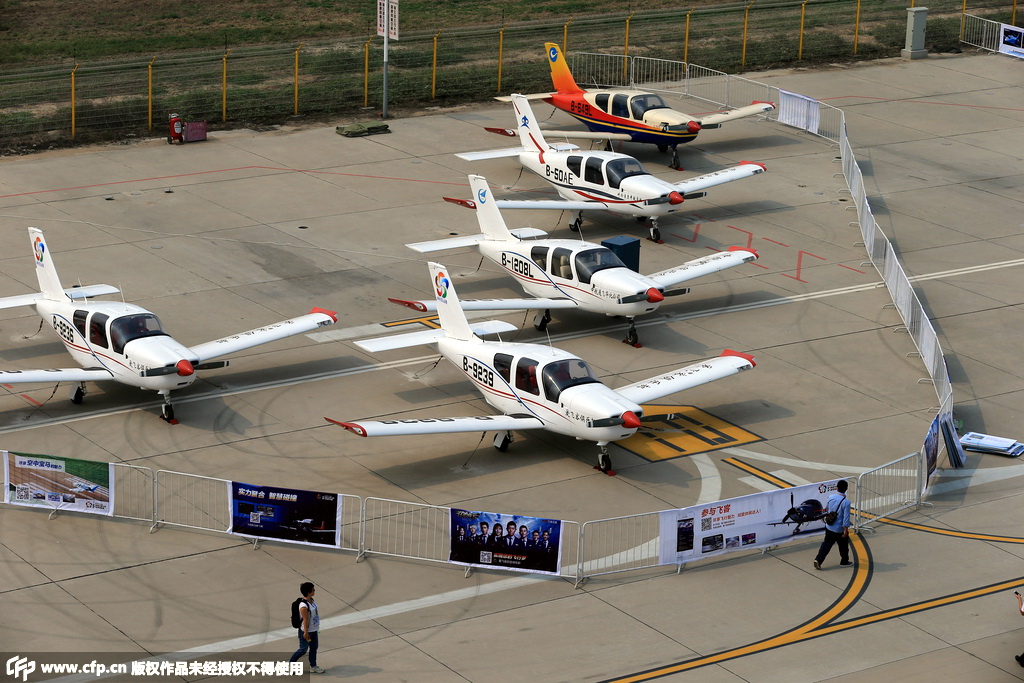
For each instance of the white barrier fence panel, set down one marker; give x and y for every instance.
(133, 492)
(981, 33)
(619, 544)
(888, 489)
(192, 501)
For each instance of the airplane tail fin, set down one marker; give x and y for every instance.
(529, 130)
(449, 310)
(561, 76)
(49, 283)
(492, 224)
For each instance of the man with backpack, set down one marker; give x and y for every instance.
(838, 530)
(306, 618)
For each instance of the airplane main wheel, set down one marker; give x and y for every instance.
(541, 320)
(77, 395)
(576, 225)
(502, 441)
(662, 148)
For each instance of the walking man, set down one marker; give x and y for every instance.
(309, 630)
(838, 532)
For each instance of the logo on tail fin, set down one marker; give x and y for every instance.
(481, 196)
(441, 283)
(553, 54)
(39, 249)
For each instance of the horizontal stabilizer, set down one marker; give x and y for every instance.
(55, 375)
(554, 204)
(532, 96)
(441, 425)
(492, 154)
(729, 363)
(316, 318)
(469, 240)
(705, 265)
(491, 304)
(401, 341)
(74, 293)
(745, 169)
(752, 109)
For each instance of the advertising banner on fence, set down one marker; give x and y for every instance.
(53, 481)
(522, 544)
(746, 523)
(1011, 40)
(291, 515)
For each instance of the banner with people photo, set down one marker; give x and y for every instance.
(54, 481)
(502, 541)
(746, 523)
(290, 515)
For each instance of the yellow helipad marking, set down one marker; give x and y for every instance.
(425, 320)
(677, 431)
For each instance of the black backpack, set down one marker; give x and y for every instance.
(296, 615)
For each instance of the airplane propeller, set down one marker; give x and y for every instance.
(672, 198)
(628, 419)
(183, 368)
(653, 295)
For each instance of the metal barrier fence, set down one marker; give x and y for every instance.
(981, 33)
(886, 490)
(133, 487)
(619, 544)
(191, 501)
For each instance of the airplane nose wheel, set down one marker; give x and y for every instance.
(78, 393)
(604, 461)
(655, 232)
(168, 411)
(674, 164)
(632, 338)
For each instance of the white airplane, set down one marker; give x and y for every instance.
(113, 340)
(565, 274)
(83, 488)
(598, 180)
(532, 385)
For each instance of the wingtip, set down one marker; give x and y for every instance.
(333, 315)
(754, 163)
(349, 426)
(746, 249)
(746, 356)
(414, 305)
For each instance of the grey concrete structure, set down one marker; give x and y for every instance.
(252, 227)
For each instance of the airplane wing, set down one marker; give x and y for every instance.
(318, 317)
(705, 265)
(717, 119)
(468, 240)
(441, 425)
(54, 375)
(745, 169)
(73, 293)
(729, 363)
(491, 304)
(587, 135)
(401, 341)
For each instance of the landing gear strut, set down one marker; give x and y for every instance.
(168, 410)
(675, 160)
(577, 223)
(655, 232)
(78, 393)
(631, 336)
(501, 441)
(604, 461)
(541, 320)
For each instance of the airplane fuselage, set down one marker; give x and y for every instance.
(617, 181)
(589, 274)
(122, 338)
(552, 385)
(642, 115)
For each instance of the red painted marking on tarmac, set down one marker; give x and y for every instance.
(800, 265)
(856, 270)
(941, 104)
(750, 235)
(696, 231)
(30, 399)
(706, 220)
(227, 170)
(769, 239)
(755, 263)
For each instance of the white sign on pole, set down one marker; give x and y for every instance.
(387, 24)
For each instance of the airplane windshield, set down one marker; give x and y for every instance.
(592, 260)
(618, 170)
(130, 327)
(642, 104)
(560, 375)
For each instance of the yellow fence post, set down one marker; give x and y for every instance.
(746, 16)
(297, 78)
(366, 73)
(686, 39)
(963, 17)
(433, 69)
(501, 52)
(856, 29)
(625, 49)
(149, 92)
(803, 12)
(565, 36)
(73, 100)
(1013, 15)
(224, 88)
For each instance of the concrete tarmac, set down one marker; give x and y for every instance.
(250, 227)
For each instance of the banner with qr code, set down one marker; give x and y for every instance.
(290, 515)
(746, 523)
(503, 541)
(54, 481)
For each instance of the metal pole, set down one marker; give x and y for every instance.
(149, 95)
(73, 100)
(565, 36)
(746, 16)
(433, 69)
(963, 18)
(224, 88)
(501, 52)
(686, 40)
(387, 37)
(296, 111)
(803, 12)
(856, 29)
(366, 73)
(625, 49)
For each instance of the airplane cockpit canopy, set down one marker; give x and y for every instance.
(559, 375)
(593, 260)
(618, 170)
(134, 326)
(641, 104)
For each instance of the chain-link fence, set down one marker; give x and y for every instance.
(253, 85)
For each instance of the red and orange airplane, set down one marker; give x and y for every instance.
(630, 115)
